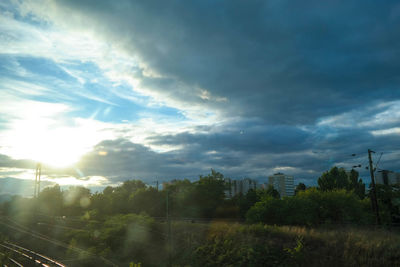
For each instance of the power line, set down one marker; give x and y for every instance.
(376, 165)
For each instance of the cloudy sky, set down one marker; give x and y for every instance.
(104, 91)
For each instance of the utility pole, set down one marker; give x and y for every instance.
(40, 173)
(157, 185)
(374, 199)
(169, 232)
(37, 180)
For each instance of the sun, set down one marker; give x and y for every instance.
(60, 147)
(51, 144)
(58, 151)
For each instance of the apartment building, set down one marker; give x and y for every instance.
(284, 184)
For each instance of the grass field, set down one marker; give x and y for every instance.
(134, 238)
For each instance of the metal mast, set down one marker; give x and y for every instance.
(37, 180)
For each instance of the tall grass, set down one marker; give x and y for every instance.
(227, 244)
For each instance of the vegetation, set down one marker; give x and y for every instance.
(300, 187)
(312, 207)
(337, 178)
(127, 225)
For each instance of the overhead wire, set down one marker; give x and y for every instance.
(377, 163)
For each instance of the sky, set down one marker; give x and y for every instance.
(104, 91)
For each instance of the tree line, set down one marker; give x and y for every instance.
(340, 197)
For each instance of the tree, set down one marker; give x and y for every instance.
(299, 187)
(209, 193)
(75, 200)
(270, 191)
(131, 186)
(337, 178)
(181, 198)
(245, 202)
(108, 190)
(356, 184)
(312, 207)
(389, 202)
(50, 201)
(148, 200)
(120, 195)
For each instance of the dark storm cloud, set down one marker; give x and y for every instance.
(285, 61)
(242, 138)
(306, 153)
(305, 83)
(121, 159)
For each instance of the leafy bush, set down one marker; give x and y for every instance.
(312, 207)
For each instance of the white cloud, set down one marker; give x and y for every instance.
(395, 130)
(376, 116)
(90, 181)
(46, 131)
(65, 39)
(21, 108)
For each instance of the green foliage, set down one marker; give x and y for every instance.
(263, 245)
(186, 199)
(127, 224)
(299, 187)
(389, 202)
(311, 207)
(120, 195)
(244, 202)
(297, 253)
(337, 178)
(75, 200)
(116, 200)
(209, 193)
(182, 198)
(247, 201)
(197, 199)
(148, 200)
(356, 184)
(270, 191)
(50, 201)
(235, 245)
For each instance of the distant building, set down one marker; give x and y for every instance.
(284, 184)
(387, 177)
(235, 187)
(263, 185)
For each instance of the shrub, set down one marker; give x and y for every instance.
(312, 207)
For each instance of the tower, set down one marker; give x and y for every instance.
(37, 180)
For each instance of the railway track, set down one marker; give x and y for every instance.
(39, 259)
(21, 256)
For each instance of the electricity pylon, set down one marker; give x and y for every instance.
(37, 180)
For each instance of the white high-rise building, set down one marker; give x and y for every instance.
(284, 184)
(387, 177)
